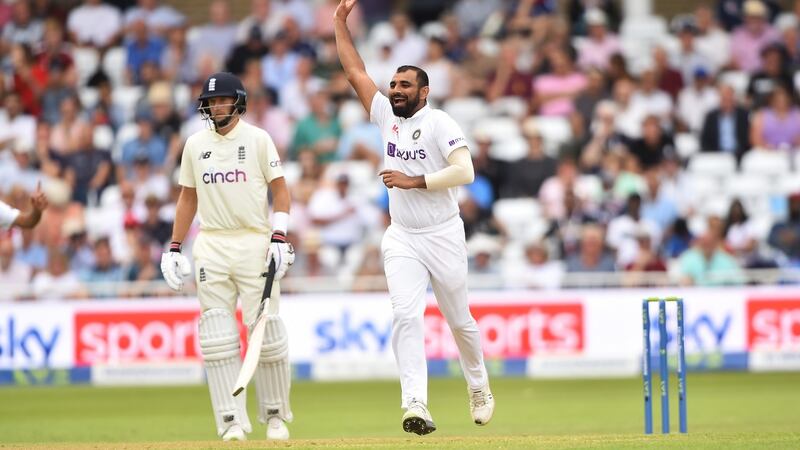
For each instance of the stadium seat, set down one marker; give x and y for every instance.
(789, 184)
(686, 144)
(514, 107)
(88, 97)
(115, 63)
(466, 110)
(521, 217)
(509, 150)
(182, 97)
(712, 164)
(103, 138)
(754, 191)
(126, 98)
(555, 131)
(127, 132)
(766, 162)
(87, 60)
(737, 80)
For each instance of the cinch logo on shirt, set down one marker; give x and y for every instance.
(392, 151)
(232, 176)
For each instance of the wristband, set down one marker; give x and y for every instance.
(278, 236)
(280, 221)
(175, 246)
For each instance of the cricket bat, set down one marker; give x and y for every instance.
(256, 336)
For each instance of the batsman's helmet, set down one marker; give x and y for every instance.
(223, 84)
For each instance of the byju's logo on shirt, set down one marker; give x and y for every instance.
(232, 176)
(392, 151)
(455, 141)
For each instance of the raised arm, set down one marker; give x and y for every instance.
(348, 55)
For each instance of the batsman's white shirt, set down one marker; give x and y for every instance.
(415, 146)
(7, 216)
(231, 174)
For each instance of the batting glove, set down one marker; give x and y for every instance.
(281, 252)
(175, 267)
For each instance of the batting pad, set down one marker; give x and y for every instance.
(219, 343)
(273, 376)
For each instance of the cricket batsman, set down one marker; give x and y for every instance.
(225, 175)
(426, 159)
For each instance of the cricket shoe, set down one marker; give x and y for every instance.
(417, 419)
(276, 429)
(234, 433)
(481, 405)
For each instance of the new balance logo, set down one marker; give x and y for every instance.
(205, 155)
(212, 85)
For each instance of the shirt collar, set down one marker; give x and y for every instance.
(231, 134)
(422, 111)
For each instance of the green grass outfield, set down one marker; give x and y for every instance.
(726, 410)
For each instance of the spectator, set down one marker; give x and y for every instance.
(592, 255)
(777, 127)
(264, 113)
(476, 67)
(58, 282)
(441, 72)
(740, 234)
(552, 191)
(17, 129)
(361, 140)
(261, 16)
(652, 100)
(298, 10)
(537, 270)
(566, 231)
(279, 66)
(525, 177)
(472, 14)
(15, 275)
(785, 236)
(296, 38)
(54, 48)
(339, 217)
(727, 128)
(31, 251)
(105, 111)
(294, 98)
(787, 26)
(654, 145)
(669, 79)
(159, 19)
(66, 136)
(748, 39)
(773, 73)
(176, 64)
(630, 114)
(143, 267)
(577, 10)
(659, 203)
(707, 264)
(318, 132)
(604, 138)
(408, 47)
(94, 24)
(252, 47)
(711, 40)
(57, 89)
(507, 80)
(142, 47)
(600, 45)
(696, 101)
(104, 271)
(731, 15)
(217, 37)
(154, 228)
(87, 170)
(553, 93)
(166, 121)
(689, 57)
(23, 28)
(624, 229)
(596, 91)
(29, 80)
(483, 251)
(147, 145)
(77, 248)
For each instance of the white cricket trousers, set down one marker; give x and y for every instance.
(412, 258)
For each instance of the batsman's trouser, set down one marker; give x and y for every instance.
(412, 258)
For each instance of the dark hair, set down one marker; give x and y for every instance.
(729, 220)
(422, 76)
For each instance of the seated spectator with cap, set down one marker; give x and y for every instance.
(727, 128)
(600, 44)
(147, 145)
(592, 255)
(537, 270)
(749, 38)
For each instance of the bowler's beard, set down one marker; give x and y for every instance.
(406, 110)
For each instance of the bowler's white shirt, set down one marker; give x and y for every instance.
(7, 216)
(231, 174)
(416, 146)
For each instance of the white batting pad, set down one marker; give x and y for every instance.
(219, 343)
(273, 376)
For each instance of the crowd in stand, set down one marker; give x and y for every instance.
(588, 131)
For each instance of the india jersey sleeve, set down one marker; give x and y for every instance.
(269, 159)
(380, 112)
(449, 135)
(7, 216)
(186, 175)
